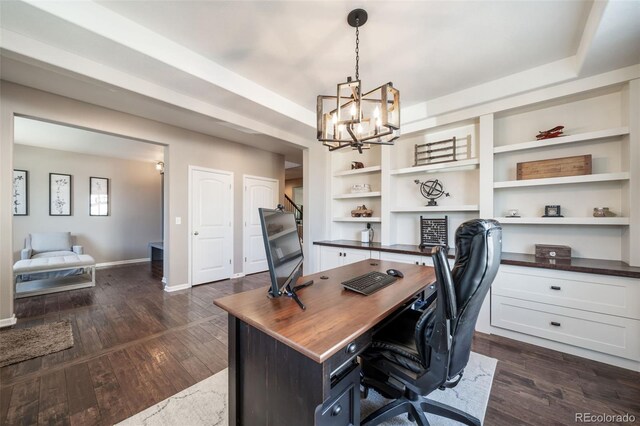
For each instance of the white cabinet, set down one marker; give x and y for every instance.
(595, 312)
(333, 257)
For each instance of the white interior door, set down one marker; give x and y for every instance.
(211, 226)
(258, 192)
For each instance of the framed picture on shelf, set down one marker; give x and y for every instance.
(20, 193)
(98, 196)
(59, 194)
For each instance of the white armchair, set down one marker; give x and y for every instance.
(49, 244)
(47, 260)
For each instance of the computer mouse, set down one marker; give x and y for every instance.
(395, 273)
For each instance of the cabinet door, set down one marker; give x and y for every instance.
(351, 256)
(330, 257)
(404, 258)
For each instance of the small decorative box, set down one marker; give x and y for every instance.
(360, 187)
(549, 251)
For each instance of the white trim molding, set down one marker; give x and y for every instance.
(8, 322)
(121, 262)
(238, 275)
(172, 288)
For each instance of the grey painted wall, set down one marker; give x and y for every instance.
(135, 206)
(182, 148)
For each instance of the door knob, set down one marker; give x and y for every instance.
(196, 233)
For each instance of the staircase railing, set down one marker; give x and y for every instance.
(291, 206)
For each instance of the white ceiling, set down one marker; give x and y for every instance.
(250, 71)
(65, 138)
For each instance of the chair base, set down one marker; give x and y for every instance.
(415, 406)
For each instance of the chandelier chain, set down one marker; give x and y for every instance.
(357, 48)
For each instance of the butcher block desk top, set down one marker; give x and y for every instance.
(334, 316)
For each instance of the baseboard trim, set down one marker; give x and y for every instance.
(238, 275)
(8, 322)
(172, 288)
(164, 280)
(121, 262)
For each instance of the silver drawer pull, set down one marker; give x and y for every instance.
(352, 348)
(555, 323)
(336, 410)
(556, 287)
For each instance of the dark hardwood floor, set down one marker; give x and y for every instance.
(135, 345)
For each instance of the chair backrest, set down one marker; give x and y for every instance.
(462, 290)
(41, 242)
(478, 252)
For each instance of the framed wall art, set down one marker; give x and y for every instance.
(59, 194)
(20, 205)
(98, 196)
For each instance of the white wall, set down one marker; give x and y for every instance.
(135, 217)
(183, 148)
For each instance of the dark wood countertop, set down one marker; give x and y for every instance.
(334, 317)
(575, 264)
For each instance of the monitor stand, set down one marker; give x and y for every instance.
(290, 291)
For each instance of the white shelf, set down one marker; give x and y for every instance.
(358, 195)
(357, 219)
(564, 220)
(372, 169)
(427, 209)
(546, 143)
(601, 177)
(440, 167)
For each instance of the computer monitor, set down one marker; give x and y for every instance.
(284, 251)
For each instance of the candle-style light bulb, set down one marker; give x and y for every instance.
(376, 112)
(353, 110)
(359, 128)
(334, 119)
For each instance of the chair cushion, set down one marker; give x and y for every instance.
(53, 254)
(50, 241)
(52, 263)
(396, 342)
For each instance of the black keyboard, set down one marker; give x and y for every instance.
(368, 283)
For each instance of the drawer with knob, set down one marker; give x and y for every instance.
(343, 405)
(350, 351)
(595, 293)
(599, 332)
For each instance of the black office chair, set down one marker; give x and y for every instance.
(421, 351)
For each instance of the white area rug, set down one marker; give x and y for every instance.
(471, 395)
(205, 403)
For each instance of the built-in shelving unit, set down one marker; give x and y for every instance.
(372, 194)
(596, 221)
(547, 143)
(363, 171)
(600, 177)
(444, 208)
(357, 219)
(451, 166)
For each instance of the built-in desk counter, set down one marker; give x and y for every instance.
(590, 266)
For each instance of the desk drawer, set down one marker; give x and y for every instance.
(603, 333)
(343, 406)
(350, 351)
(607, 295)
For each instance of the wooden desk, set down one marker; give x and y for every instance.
(294, 367)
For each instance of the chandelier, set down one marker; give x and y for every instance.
(357, 120)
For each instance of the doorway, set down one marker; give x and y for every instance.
(258, 192)
(211, 225)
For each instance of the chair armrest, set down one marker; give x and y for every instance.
(77, 249)
(25, 254)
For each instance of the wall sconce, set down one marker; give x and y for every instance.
(160, 167)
